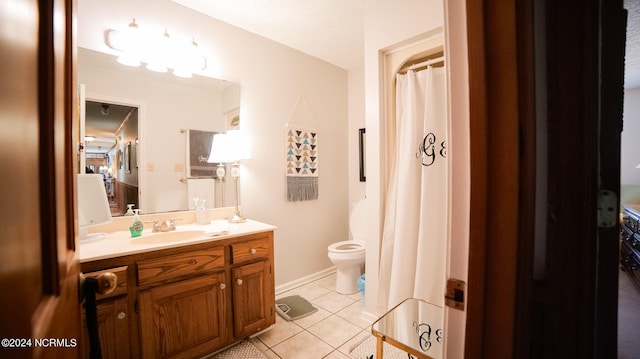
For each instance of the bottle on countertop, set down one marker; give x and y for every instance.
(202, 215)
(129, 211)
(137, 226)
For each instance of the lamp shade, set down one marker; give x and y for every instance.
(219, 152)
(238, 145)
(228, 147)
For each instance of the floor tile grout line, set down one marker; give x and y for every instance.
(334, 348)
(331, 313)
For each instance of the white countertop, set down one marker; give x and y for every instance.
(121, 243)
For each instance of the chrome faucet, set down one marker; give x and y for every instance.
(156, 226)
(165, 225)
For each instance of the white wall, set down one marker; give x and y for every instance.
(387, 24)
(630, 156)
(272, 78)
(356, 122)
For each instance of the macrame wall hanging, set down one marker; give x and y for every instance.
(302, 155)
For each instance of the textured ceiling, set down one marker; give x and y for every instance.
(331, 30)
(632, 58)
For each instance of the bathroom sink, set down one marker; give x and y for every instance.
(167, 237)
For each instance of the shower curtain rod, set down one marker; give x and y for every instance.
(422, 64)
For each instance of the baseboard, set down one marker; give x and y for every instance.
(369, 316)
(304, 280)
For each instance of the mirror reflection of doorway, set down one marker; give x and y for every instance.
(111, 144)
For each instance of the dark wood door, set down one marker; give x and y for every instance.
(39, 268)
(545, 105)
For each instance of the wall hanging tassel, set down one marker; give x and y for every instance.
(302, 163)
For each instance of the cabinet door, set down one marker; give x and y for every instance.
(184, 319)
(113, 329)
(253, 298)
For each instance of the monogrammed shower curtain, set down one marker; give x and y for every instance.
(413, 252)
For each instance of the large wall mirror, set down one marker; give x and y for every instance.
(142, 148)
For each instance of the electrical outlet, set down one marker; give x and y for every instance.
(150, 166)
(178, 167)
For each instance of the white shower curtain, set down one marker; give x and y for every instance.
(412, 260)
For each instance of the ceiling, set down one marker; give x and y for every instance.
(632, 58)
(331, 30)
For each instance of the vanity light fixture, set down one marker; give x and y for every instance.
(189, 59)
(158, 50)
(128, 42)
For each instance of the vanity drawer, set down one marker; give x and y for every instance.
(246, 251)
(121, 285)
(180, 265)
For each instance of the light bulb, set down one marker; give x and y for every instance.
(159, 53)
(130, 44)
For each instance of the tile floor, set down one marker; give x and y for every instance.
(331, 332)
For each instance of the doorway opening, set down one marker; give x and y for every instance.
(111, 149)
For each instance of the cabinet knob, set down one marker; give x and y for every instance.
(121, 315)
(253, 251)
(239, 281)
(106, 283)
(222, 286)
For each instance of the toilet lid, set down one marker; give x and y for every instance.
(358, 220)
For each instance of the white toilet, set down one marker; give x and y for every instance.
(348, 256)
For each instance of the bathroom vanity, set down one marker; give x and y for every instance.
(182, 294)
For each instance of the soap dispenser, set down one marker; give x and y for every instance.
(129, 211)
(137, 226)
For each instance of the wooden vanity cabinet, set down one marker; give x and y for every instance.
(113, 329)
(183, 311)
(189, 301)
(113, 319)
(184, 319)
(253, 286)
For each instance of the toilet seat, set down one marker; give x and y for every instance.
(349, 256)
(350, 246)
